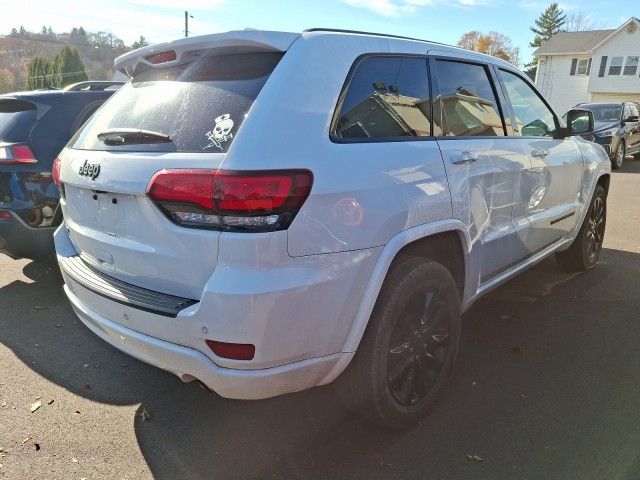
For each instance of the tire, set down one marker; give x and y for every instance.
(408, 348)
(584, 251)
(618, 156)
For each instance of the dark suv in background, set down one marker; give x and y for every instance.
(34, 127)
(617, 129)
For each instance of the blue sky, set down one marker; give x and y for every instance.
(438, 20)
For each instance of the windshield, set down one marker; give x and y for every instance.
(605, 113)
(199, 105)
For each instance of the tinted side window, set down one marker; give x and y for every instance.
(466, 104)
(387, 97)
(634, 109)
(626, 113)
(533, 118)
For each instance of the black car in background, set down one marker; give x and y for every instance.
(34, 127)
(617, 129)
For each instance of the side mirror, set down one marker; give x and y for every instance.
(579, 121)
(632, 119)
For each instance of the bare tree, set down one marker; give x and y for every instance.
(493, 43)
(579, 22)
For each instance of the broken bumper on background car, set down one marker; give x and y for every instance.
(18, 240)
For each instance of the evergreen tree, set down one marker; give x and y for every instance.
(43, 32)
(50, 32)
(67, 68)
(142, 42)
(22, 31)
(55, 74)
(548, 24)
(14, 32)
(37, 71)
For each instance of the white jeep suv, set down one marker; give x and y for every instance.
(265, 212)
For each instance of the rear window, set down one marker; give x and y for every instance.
(200, 105)
(17, 118)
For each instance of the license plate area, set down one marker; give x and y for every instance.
(99, 210)
(110, 208)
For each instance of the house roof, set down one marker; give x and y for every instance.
(632, 20)
(572, 42)
(579, 42)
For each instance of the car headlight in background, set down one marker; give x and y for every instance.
(606, 133)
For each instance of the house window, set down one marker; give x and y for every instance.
(631, 66)
(615, 68)
(583, 65)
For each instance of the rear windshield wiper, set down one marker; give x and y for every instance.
(128, 136)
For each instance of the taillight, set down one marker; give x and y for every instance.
(4, 215)
(255, 201)
(16, 154)
(55, 172)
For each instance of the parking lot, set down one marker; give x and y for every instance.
(547, 386)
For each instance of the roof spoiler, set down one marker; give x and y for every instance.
(92, 85)
(181, 51)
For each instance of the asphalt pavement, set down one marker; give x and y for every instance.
(547, 387)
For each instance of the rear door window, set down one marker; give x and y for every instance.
(17, 118)
(200, 105)
(466, 104)
(387, 97)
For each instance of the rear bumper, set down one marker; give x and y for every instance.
(21, 241)
(190, 364)
(297, 313)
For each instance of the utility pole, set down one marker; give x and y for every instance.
(186, 23)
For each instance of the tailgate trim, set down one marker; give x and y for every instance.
(122, 292)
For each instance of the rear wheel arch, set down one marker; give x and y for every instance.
(366, 385)
(446, 248)
(437, 244)
(428, 240)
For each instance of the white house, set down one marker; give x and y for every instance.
(591, 66)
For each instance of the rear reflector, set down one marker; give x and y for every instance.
(161, 57)
(16, 154)
(231, 200)
(233, 351)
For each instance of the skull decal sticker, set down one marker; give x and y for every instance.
(221, 132)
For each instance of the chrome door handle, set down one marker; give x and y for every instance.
(464, 157)
(541, 153)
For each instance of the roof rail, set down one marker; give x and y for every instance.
(386, 35)
(92, 85)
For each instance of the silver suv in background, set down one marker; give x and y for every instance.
(265, 212)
